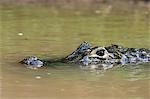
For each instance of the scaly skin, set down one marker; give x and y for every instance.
(113, 54)
(107, 57)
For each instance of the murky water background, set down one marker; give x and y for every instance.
(51, 34)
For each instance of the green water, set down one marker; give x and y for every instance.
(50, 34)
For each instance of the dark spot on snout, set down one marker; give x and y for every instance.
(100, 52)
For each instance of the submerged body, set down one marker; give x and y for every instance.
(105, 57)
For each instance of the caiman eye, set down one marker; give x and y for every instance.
(100, 52)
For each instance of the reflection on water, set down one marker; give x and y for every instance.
(26, 32)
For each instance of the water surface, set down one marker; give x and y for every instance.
(52, 34)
